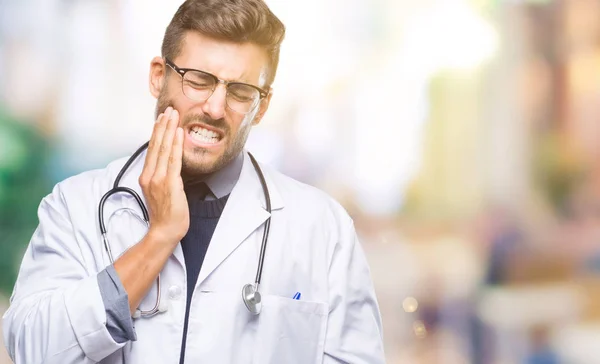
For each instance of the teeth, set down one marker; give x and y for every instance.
(204, 132)
(204, 135)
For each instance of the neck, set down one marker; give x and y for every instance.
(220, 182)
(192, 181)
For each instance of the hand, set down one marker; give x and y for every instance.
(161, 180)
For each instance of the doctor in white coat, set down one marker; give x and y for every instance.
(73, 304)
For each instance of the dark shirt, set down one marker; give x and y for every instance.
(204, 216)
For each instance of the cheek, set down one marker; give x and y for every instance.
(241, 124)
(180, 102)
(249, 118)
(185, 107)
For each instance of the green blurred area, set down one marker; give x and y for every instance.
(24, 156)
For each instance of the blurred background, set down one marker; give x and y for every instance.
(462, 136)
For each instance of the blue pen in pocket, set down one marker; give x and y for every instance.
(297, 296)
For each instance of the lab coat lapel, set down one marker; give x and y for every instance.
(243, 214)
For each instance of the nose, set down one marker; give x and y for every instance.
(216, 103)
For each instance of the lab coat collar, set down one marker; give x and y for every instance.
(244, 213)
(221, 182)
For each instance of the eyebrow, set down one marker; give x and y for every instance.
(241, 79)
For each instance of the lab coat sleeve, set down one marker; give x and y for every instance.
(56, 312)
(116, 301)
(354, 329)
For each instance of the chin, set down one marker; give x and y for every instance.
(198, 165)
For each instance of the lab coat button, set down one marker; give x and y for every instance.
(174, 292)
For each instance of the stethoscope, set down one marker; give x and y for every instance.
(250, 292)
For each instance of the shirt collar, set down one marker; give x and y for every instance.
(221, 182)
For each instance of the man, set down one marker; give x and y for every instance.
(207, 217)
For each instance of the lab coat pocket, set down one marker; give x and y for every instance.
(290, 331)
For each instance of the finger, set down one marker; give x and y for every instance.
(174, 171)
(164, 153)
(155, 142)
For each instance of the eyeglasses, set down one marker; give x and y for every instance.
(199, 86)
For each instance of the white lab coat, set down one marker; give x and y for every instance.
(57, 314)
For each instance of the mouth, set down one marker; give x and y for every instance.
(204, 136)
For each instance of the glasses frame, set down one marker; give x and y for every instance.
(182, 71)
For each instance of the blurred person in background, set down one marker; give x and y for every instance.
(209, 216)
(542, 350)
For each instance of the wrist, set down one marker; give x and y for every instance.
(161, 237)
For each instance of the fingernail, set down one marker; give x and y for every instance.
(174, 114)
(159, 118)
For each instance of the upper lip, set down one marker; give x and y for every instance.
(207, 127)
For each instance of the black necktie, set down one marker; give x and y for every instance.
(197, 191)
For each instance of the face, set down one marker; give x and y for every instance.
(227, 130)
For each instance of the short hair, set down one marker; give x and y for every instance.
(238, 21)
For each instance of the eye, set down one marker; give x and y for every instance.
(243, 93)
(199, 80)
(197, 84)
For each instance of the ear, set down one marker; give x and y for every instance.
(157, 76)
(263, 107)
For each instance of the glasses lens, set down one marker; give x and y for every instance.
(198, 85)
(242, 98)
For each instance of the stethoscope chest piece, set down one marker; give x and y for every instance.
(251, 298)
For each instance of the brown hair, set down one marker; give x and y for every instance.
(238, 21)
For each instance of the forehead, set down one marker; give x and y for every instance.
(245, 62)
